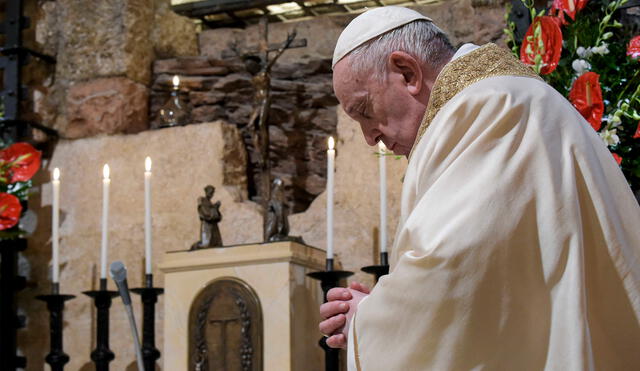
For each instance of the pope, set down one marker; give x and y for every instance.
(518, 246)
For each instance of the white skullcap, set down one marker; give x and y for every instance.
(370, 24)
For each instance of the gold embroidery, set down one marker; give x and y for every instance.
(356, 354)
(487, 61)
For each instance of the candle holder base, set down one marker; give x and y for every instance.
(56, 358)
(102, 355)
(149, 295)
(328, 280)
(376, 270)
(380, 269)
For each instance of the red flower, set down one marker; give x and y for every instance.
(543, 41)
(617, 158)
(569, 7)
(586, 97)
(637, 134)
(633, 49)
(21, 160)
(10, 210)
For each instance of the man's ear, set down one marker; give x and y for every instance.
(406, 65)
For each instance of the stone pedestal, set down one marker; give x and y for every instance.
(276, 272)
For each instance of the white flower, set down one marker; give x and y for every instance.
(610, 137)
(601, 50)
(615, 121)
(580, 66)
(583, 52)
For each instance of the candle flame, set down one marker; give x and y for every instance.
(105, 171)
(176, 81)
(382, 147)
(56, 174)
(147, 164)
(332, 143)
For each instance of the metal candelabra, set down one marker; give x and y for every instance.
(149, 295)
(329, 279)
(56, 358)
(380, 269)
(102, 355)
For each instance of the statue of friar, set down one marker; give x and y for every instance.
(277, 224)
(210, 216)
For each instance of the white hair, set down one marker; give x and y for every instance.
(421, 39)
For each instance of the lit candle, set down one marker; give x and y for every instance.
(383, 196)
(105, 221)
(147, 214)
(176, 81)
(54, 225)
(331, 155)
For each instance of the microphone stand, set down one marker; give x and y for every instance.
(119, 274)
(102, 355)
(149, 295)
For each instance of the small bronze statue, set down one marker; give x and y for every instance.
(277, 224)
(210, 216)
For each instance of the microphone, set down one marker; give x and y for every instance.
(119, 275)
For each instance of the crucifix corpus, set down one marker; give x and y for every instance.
(258, 126)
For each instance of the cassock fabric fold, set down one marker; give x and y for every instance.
(518, 244)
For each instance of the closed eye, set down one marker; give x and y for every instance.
(363, 108)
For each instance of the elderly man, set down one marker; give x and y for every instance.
(518, 246)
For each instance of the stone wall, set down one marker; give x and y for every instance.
(303, 106)
(104, 55)
(302, 116)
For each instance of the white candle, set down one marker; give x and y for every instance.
(331, 155)
(147, 214)
(105, 221)
(383, 197)
(54, 225)
(176, 81)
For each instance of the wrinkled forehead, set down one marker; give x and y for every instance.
(348, 84)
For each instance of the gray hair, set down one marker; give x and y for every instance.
(421, 39)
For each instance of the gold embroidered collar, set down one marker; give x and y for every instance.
(487, 61)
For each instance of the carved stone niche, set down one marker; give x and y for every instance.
(267, 282)
(225, 328)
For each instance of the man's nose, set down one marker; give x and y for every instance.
(371, 135)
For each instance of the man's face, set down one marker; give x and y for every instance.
(386, 111)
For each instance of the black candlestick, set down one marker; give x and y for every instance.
(381, 269)
(149, 296)
(328, 280)
(102, 355)
(56, 358)
(10, 284)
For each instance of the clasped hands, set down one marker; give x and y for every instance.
(337, 312)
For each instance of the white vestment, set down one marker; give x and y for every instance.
(518, 246)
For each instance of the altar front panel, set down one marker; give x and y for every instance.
(277, 273)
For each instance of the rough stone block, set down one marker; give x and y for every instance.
(172, 34)
(104, 38)
(107, 105)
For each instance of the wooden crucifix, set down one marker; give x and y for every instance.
(258, 126)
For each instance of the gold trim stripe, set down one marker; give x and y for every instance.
(356, 354)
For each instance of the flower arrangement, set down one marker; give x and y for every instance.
(18, 163)
(583, 51)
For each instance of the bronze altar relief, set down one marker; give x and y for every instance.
(225, 328)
